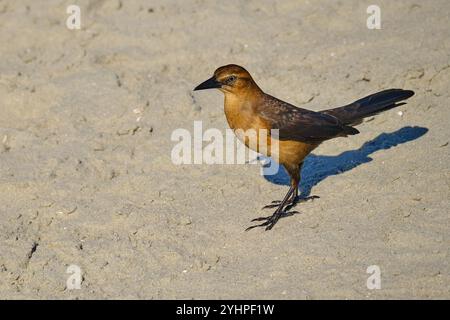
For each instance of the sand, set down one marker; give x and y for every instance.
(86, 176)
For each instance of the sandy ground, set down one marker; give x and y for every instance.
(86, 176)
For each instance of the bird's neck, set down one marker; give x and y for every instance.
(240, 107)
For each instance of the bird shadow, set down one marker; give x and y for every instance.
(317, 168)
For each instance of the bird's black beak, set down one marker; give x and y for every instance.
(208, 84)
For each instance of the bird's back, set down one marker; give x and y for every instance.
(300, 124)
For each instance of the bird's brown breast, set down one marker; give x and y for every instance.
(242, 115)
(244, 121)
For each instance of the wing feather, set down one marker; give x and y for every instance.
(300, 124)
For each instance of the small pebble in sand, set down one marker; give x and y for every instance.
(185, 221)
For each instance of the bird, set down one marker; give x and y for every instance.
(299, 131)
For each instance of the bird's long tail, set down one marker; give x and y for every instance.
(355, 112)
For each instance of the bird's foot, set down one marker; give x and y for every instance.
(292, 203)
(270, 221)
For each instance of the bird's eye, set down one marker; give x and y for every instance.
(230, 79)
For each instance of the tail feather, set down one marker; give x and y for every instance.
(355, 112)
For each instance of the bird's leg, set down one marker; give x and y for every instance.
(295, 199)
(276, 203)
(294, 173)
(272, 220)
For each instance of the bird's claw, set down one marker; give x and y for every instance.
(268, 224)
(282, 215)
(271, 220)
(273, 204)
(291, 203)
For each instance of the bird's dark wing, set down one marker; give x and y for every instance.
(301, 124)
(354, 113)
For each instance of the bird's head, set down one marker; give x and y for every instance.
(231, 78)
